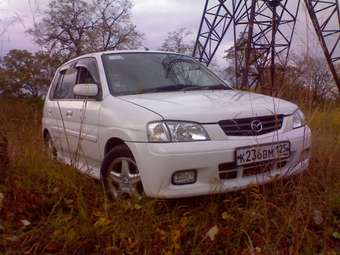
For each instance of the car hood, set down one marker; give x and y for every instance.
(210, 106)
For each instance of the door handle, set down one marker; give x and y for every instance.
(69, 114)
(49, 112)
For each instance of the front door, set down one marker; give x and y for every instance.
(87, 148)
(67, 114)
(77, 117)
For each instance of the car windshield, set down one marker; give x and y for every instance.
(139, 73)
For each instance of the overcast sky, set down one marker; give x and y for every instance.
(155, 18)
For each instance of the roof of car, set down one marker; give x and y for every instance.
(100, 53)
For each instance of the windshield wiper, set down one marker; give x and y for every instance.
(217, 87)
(211, 87)
(177, 87)
(183, 87)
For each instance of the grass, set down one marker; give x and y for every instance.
(49, 208)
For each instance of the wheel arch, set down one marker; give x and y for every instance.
(113, 142)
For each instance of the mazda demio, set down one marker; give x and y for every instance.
(163, 125)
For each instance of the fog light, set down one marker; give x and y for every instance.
(184, 177)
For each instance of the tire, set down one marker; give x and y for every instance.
(120, 175)
(50, 148)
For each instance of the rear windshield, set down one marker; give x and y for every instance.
(138, 73)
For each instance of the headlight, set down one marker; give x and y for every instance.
(158, 132)
(176, 131)
(298, 119)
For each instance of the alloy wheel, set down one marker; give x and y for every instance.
(123, 178)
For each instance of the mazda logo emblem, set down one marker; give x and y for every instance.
(256, 126)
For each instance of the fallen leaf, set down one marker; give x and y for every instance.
(51, 247)
(98, 213)
(331, 253)
(132, 244)
(71, 235)
(183, 222)
(2, 196)
(138, 207)
(127, 205)
(175, 235)
(317, 217)
(25, 223)
(176, 246)
(55, 190)
(162, 234)
(57, 233)
(227, 216)
(11, 238)
(336, 235)
(69, 201)
(102, 222)
(212, 233)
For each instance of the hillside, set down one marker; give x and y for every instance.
(49, 208)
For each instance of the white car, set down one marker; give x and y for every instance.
(164, 125)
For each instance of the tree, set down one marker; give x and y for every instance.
(311, 78)
(75, 27)
(113, 28)
(24, 73)
(235, 57)
(314, 74)
(178, 41)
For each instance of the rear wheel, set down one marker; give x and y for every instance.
(50, 148)
(120, 175)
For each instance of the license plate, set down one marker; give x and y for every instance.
(261, 153)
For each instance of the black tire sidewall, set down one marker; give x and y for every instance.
(54, 153)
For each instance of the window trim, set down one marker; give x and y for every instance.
(62, 74)
(73, 64)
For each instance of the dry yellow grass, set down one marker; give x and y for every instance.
(66, 212)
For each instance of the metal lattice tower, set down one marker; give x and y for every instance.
(323, 15)
(267, 27)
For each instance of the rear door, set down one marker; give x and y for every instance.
(50, 114)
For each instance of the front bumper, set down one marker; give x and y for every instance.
(158, 162)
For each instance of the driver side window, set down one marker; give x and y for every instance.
(84, 76)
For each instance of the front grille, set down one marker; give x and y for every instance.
(261, 168)
(243, 127)
(228, 171)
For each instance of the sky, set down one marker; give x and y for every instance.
(155, 18)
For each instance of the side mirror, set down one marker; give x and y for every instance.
(85, 90)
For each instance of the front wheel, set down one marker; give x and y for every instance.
(120, 175)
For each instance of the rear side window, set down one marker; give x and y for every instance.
(67, 80)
